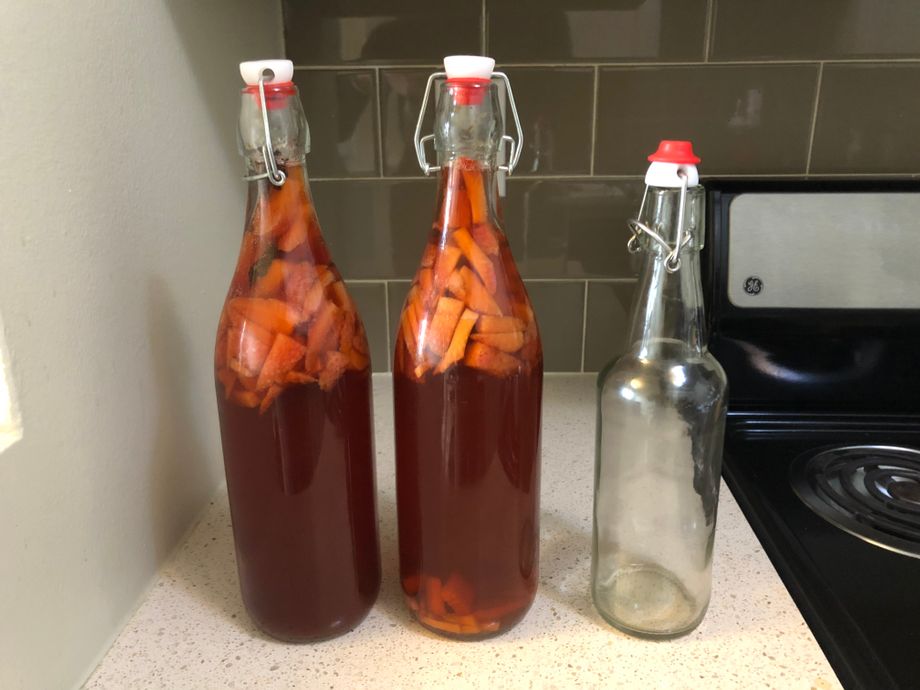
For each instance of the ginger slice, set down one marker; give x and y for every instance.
(490, 360)
(269, 284)
(481, 263)
(499, 324)
(475, 190)
(270, 395)
(477, 297)
(506, 342)
(445, 264)
(285, 353)
(458, 343)
(485, 236)
(443, 324)
(271, 314)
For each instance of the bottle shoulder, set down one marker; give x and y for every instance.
(679, 375)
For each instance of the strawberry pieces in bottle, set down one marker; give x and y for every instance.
(294, 400)
(467, 376)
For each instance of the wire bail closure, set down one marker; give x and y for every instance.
(274, 175)
(514, 147)
(638, 228)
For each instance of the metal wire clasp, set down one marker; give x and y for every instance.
(274, 175)
(637, 228)
(514, 147)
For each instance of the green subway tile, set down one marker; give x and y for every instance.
(595, 30)
(867, 120)
(371, 301)
(559, 307)
(607, 322)
(742, 119)
(401, 92)
(376, 228)
(815, 29)
(571, 228)
(556, 109)
(341, 111)
(327, 32)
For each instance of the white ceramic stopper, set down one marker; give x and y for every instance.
(252, 70)
(469, 66)
(661, 174)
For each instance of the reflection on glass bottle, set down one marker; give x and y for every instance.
(661, 419)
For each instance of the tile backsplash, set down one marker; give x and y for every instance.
(790, 88)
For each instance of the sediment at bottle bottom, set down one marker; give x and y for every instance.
(300, 480)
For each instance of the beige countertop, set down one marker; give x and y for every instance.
(191, 630)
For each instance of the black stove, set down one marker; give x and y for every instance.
(822, 447)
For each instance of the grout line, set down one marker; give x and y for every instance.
(386, 307)
(626, 178)
(482, 28)
(814, 119)
(282, 28)
(577, 279)
(594, 119)
(707, 30)
(379, 108)
(626, 63)
(584, 328)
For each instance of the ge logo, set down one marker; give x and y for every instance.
(753, 285)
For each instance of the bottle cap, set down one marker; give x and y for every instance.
(671, 159)
(469, 66)
(283, 71)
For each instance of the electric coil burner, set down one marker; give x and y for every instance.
(814, 299)
(872, 492)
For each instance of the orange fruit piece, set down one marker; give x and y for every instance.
(269, 284)
(488, 359)
(477, 297)
(458, 594)
(228, 379)
(511, 341)
(481, 263)
(247, 348)
(459, 213)
(410, 584)
(443, 324)
(433, 599)
(458, 342)
(445, 264)
(456, 286)
(499, 324)
(323, 333)
(296, 233)
(336, 363)
(312, 299)
(429, 255)
(475, 190)
(285, 353)
(270, 395)
(485, 236)
(271, 314)
(358, 360)
(299, 276)
(298, 377)
(246, 398)
(340, 296)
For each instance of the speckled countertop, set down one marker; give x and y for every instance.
(192, 632)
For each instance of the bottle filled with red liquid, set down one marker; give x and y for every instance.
(468, 377)
(294, 392)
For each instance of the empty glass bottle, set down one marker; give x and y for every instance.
(661, 419)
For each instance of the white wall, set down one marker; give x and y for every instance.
(120, 218)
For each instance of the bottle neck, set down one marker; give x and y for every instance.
(288, 129)
(468, 122)
(669, 310)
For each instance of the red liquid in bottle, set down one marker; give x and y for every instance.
(468, 375)
(294, 399)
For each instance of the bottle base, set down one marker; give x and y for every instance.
(648, 601)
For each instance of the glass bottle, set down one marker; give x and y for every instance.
(660, 424)
(294, 392)
(468, 377)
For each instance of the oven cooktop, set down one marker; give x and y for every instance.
(835, 501)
